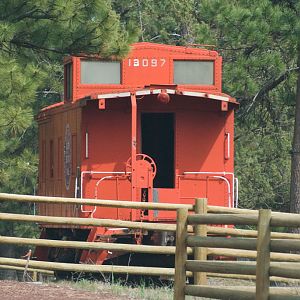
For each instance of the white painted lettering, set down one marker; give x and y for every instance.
(145, 62)
(136, 62)
(153, 62)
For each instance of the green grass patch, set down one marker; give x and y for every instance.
(119, 289)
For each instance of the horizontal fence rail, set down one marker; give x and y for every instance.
(231, 292)
(93, 202)
(87, 222)
(246, 233)
(278, 219)
(251, 254)
(237, 243)
(90, 245)
(129, 204)
(9, 267)
(54, 266)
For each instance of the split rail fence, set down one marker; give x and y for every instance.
(262, 269)
(72, 267)
(192, 240)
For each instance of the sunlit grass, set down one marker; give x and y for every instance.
(141, 291)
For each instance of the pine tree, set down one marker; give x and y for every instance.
(260, 39)
(34, 37)
(258, 42)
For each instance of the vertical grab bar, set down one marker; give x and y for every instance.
(227, 145)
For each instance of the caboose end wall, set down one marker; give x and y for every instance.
(183, 122)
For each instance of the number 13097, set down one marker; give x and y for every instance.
(146, 62)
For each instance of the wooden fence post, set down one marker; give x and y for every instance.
(34, 276)
(263, 255)
(200, 230)
(180, 254)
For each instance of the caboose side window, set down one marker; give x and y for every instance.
(68, 81)
(51, 159)
(193, 72)
(100, 72)
(43, 161)
(59, 157)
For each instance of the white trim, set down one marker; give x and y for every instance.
(76, 186)
(86, 145)
(210, 172)
(228, 189)
(143, 92)
(114, 95)
(194, 94)
(228, 145)
(236, 192)
(216, 97)
(168, 91)
(173, 92)
(155, 92)
(205, 95)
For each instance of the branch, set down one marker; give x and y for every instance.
(29, 45)
(10, 122)
(270, 86)
(25, 15)
(7, 124)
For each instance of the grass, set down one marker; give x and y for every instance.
(121, 290)
(118, 289)
(137, 292)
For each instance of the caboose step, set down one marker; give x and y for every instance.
(103, 235)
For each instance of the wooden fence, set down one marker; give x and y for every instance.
(54, 266)
(263, 269)
(194, 237)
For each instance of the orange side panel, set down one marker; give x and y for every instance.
(107, 150)
(52, 134)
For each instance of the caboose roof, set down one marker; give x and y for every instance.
(155, 90)
(151, 90)
(174, 49)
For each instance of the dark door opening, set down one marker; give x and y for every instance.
(158, 143)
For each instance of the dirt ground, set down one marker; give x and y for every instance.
(11, 290)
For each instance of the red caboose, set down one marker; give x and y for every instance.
(153, 127)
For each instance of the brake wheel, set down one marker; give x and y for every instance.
(142, 157)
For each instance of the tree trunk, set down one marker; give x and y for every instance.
(295, 165)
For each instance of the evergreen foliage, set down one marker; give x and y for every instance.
(258, 41)
(34, 37)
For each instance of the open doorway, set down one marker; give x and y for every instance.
(158, 143)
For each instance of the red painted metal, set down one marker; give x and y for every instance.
(148, 64)
(133, 176)
(145, 139)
